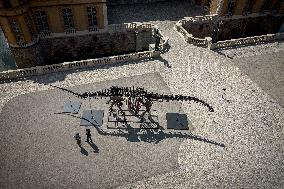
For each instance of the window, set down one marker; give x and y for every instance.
(266, 6)
(92, 18)
(7, 4)
(231, 7)
(22, 2)
(276, 7)
(30, 27)
(249, 6)
(68, 20)
(17, 32)
(41, 21)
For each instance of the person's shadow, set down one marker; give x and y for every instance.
(84, 151)
(94, 146)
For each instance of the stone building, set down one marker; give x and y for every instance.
(26, 22)
(43, 32)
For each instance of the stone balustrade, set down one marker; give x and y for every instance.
(129, 26)
(200, 19)
(189, 37)
(247, 41)
(110, 28)
(40, 70)
(207, 41)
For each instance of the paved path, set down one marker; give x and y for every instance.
(246, 119)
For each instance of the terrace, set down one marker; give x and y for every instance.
(37, 148)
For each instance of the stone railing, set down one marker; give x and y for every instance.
(44, 33)
(201, 19)
(189, 37)
(40, 70)
(129, 26)
(188, 21)
(207, 41)
(70, 30)
(247, 41)
(93, 29)
(110, 28)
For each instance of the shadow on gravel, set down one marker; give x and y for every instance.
(166, 49)
(95, 147)
(148, 135)
(166, 63)
(221, 53)
(60, 76)
(84, 151)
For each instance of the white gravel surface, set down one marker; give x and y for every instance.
(246, 119)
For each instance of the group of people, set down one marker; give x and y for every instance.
(78, 138)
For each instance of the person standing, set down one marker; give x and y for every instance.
(88, 133)
(78, 139)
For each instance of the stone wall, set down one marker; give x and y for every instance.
(57, 49)
(233, 27)
(269, 23)
(40, 70)
(248, 27)
(28, 56)
(116, 39)
(72, 48)
(199, 26)
(199, 30)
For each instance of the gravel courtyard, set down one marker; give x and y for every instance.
(246, 119)
(267, 71)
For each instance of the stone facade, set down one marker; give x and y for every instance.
(248, 27)
(199, 30)
(72, 48)
(28, 56)
(236, 27)
(53, 50)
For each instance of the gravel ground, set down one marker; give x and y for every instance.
(246, 119)
(267, 71)
(119, 156)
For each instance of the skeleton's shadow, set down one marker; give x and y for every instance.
(149, 135)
